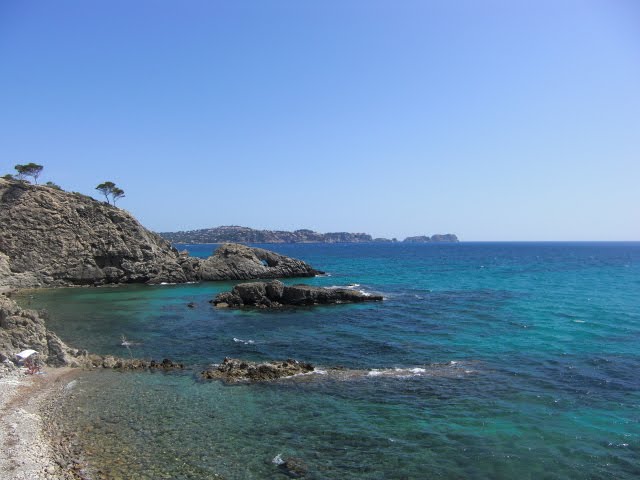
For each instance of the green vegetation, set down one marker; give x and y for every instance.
(53, 185)
(29, 170)
(109, 189)
(112, 193)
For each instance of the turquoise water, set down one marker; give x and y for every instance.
(516, 361)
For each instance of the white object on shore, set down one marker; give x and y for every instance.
(23, 355)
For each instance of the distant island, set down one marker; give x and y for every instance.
(236, 234)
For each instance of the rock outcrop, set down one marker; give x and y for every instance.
(418, 239)
(235, 370)
(276, 294)
(239, 262)
(22, 329)
(447, 237)
(50, 237)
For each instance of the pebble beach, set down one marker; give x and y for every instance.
(31, 448)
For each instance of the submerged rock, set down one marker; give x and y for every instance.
(234, 370)
(276, 294)
(294, 467)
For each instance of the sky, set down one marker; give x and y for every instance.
(494, 120)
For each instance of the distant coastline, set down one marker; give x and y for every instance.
(237, 234)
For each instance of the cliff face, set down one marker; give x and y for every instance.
(22, 329)
(49, 237)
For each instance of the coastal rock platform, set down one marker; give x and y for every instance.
(276, 294)
(235, 370)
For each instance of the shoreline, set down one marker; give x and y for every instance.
(28, 446)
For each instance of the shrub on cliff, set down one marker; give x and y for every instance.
(53, 185)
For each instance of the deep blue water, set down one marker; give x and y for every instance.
(517, 360)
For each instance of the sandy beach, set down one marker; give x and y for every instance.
(26, 451)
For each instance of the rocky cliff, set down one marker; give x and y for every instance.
(50, 237)
(22, 329)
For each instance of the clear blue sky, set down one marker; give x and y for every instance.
(495, 120)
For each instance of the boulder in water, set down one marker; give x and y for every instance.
(276, 294)
(235, 370)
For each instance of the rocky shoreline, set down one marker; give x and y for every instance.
(52, 238)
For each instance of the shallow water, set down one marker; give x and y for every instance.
(517, 360)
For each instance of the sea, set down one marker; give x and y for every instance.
(484, 361)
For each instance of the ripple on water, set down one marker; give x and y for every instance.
(545, 338)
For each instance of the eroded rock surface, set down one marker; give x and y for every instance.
(22, 329)
(239, 262)
(235, 370)
(276, 294)
(49, 237)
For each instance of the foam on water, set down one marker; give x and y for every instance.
(432, 370)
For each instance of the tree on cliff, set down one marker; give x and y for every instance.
(29, 170)
(117, 194)
(106, 188)
(109, 189)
